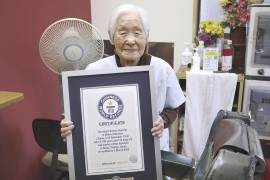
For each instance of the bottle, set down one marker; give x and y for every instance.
(227, 56)
(196, 61)
(200, 49)
(220, 46)
(200, 52)
(186, 56)
(210, 59)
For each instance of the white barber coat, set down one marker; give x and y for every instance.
(168, 91)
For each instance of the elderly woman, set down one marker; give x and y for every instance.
(129, 32)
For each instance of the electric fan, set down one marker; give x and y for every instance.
(70, 44)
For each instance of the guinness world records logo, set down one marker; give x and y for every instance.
(110, 106)
(118, 178)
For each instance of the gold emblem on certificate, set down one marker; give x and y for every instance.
(110, 106)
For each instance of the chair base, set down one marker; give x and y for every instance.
(62, 164)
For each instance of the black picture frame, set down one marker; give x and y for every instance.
(73, 83)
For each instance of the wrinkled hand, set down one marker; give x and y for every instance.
(158, 127)
(66, 127)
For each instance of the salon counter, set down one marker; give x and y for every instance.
(9, 98)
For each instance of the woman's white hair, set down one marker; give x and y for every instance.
(125, 8)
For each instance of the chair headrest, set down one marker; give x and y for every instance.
(48, 136)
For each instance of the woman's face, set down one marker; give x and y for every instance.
(129, 39)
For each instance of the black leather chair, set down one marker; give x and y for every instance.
(232, 151)
(47, 135)
(218, 161)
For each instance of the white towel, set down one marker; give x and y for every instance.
(206, 94)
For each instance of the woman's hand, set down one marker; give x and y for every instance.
(158, 127)
(66, 127)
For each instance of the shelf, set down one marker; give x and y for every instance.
(182, 75)
(239, 94)
(9, 98)
(267, 138)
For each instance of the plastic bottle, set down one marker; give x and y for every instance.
(196, 61)
(186, 56)
(227, 56)
(200, 52)
(220, 46)
(200, 49)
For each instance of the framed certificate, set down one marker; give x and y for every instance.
(113, 112)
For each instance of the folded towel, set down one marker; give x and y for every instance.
(206, 94)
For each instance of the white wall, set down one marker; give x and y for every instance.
(211, 9)
(170, 21)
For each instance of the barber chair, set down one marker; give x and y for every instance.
(47, 135)
(232, 152)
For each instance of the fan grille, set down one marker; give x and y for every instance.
(70, 44)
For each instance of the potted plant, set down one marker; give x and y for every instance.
(210, 31)
(236, 16)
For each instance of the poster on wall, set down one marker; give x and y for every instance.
(113, 114)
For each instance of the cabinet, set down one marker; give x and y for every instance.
(176, 129)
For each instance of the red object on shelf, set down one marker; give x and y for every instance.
(227, 52)
(266, 175)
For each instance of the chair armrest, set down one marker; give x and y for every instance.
(176, 165)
